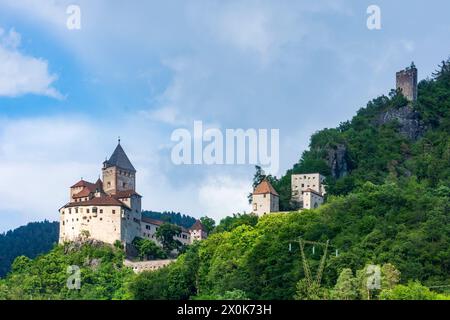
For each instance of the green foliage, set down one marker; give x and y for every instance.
(175, 281)
(30, 240)
(310, 292)
(230, 223)
(166, 234)
(208, 223)
(228, 295)
(148, 249)
(405, 225)
(411, 291)
(346, 286)
(103, 275)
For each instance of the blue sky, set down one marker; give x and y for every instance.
(142, 69)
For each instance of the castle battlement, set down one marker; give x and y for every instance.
(406, 81)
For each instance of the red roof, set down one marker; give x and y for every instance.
(98, 201)
(83, 183)
(264, 188)
(126, 194)
(83, 193)
(152, 221)
(197, 226)
(159, 223)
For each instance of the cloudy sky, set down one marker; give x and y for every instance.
(141, 69)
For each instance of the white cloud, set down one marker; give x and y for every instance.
(40, 158)
(223, 195)
(21, 74)
(167, 115)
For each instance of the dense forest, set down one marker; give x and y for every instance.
(177, 218)
(387, 206)
(30, 240)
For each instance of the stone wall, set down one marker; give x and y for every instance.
(152, 265)
(407, 83)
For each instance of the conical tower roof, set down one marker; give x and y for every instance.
(119, 159)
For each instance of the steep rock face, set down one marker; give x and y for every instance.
(408, 119)
(337, 160)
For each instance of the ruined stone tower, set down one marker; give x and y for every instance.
(407, 82)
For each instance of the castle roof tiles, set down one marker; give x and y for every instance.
(264, 188)
(119, 159)
(197, 226)
(126, 194)
(98, 201)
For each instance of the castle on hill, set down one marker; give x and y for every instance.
(109, 210)
(308, 189)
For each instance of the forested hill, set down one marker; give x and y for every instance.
(388, 139)
(388, 204)
(171, 217)
(30, 240)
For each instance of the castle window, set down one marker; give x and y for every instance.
(108, 184)
(114, 211)
(70, 211)
(303, 185)
(101, 219)
(87, 210)
(101, 210)
(124, 184)
(76, 210)
(63, 223)
(94, 210)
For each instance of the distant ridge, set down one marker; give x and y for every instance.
(30, 240)
(177, 218)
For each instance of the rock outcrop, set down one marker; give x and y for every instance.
(337, 161)
(410, 125)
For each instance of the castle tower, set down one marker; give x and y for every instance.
(265, 199)
(118, 172)
(108, 210)
(197, 231)
(407, 82)
(301, 183)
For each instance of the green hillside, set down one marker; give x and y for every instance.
(31, 240)
(388, 176)
(388, 204)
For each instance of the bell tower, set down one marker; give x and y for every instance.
(118, 172)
